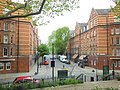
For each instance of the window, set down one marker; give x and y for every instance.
(94, 32)
(8, 66)
(117, 31)
(116, 19)
(118, 63)
(5, 51)
(12, 26)
(112, 31)
(5, 38)
(117, 41)
(11, 51)
(117, 51)
(112, 51)
(112, 41)
(91, 24)
(94, 62)
(12, 38)
(0, 26)
(0, 38)
(1, 66)
(94, 22)
(91, 62)
(6, 26)
(115, 63)
(91, 34)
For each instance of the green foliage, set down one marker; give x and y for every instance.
(50, 9)
(69, 81)
(118, 77)
(43, 49)
(60, 38)
(43, 84)
(116, 8)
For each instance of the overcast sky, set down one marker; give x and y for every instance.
(69, 19)
(80, 15)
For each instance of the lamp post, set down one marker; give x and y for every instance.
(18, 46)
(53, 62)
(113, 72)
(96, 68)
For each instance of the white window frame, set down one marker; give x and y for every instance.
(112, 51)
(115, 63)
(117, 51)
(11, 51)
(94, 32)
(112, 31)
(112, 41)
(6, 25)
(8, 64)
(94, 62)
(116, 19)
(5, 51)
(117, 31)
(5, 38)
(117, 40)
(1, 65)
(118, 63)
(12, 26)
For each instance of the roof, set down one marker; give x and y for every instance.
(82, 24)
(102, 11)
(83, 27)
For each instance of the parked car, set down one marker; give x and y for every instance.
(25, 79)
(46, 62)
(64, 59)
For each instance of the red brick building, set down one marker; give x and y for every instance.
(99, 39)
(18, 43)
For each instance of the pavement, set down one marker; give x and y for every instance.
(11, 76)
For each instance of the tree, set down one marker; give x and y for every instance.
(39, 10)
(116, 8)
(43, 50)
(60, 37)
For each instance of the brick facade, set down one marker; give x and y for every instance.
(18, 43)
(101, 40)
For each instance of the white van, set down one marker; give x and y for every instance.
(63, 58)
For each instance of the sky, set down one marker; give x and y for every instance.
(69, 19)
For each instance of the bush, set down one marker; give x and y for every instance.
(27, 86)
(69, 81)
(118, 77)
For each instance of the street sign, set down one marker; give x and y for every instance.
(52, 63)
(62, 73)
(105, 71)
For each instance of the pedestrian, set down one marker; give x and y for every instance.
(40, 64)
(63, 66)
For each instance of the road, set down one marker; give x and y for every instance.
(45, 71)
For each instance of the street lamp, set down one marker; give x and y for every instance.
(96, 68)
(18, 46)
(113, 72)
(53, 62)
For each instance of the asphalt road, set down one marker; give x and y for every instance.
(45, 71)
